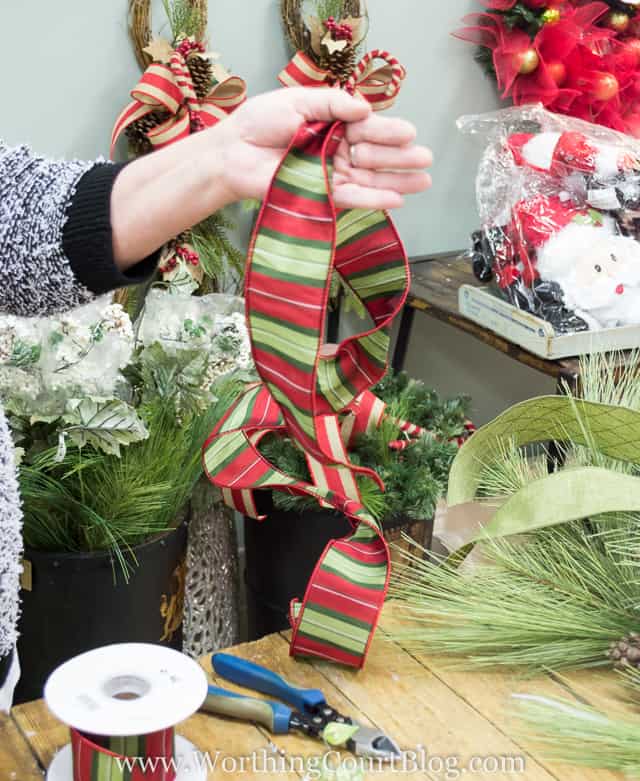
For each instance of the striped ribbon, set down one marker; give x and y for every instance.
(380, 86)
(322, 402)
(105, 759)
(170, 88)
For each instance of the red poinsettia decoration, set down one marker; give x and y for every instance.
(577, 58)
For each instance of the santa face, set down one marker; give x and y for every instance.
(603, 274)
(599, 273)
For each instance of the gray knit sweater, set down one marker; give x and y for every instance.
(55, 253)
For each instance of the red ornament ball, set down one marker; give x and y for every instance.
(605, 86)
(632, 46)
(558, 71)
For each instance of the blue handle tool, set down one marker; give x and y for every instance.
(260, 679)
(275, 716)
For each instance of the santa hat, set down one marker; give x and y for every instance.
(562, 153)
(537, 220)
(554, 230)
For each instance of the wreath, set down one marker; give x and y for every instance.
(329, 34)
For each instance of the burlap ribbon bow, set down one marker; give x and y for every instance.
(380, 86)
(170, 88)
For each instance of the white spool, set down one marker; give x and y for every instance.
(125, 690)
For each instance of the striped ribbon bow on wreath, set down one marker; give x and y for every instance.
(322, 402)
(169, 88)
(380, 86)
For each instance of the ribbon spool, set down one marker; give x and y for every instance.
(122, 703)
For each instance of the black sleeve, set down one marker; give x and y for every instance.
(87, 237)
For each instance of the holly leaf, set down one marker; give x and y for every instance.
(181, 281)
(178, 377)
(596, 217)
(24, 354)
(337, 734)
(106, 424)
(160, 50)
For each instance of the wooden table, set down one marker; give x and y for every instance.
(435, 282)
(415, 699)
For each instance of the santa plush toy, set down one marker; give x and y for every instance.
(596, 270)
(572, 255)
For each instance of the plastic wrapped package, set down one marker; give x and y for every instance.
(559, 202)
(214, 324)
(44, 361)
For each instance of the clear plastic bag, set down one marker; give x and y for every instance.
(559, 202)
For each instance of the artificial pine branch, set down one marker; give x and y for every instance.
(216, 250)
(553, 603)
(414, 478)
(564, 730)
(185, 18)
(558, 597)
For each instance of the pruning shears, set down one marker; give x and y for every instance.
(310, 714)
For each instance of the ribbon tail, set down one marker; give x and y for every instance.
(132, 113)
(174, 129)
(338, 616)
(303, 72)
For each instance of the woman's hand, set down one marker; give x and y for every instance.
(375, 166)
(164, 193)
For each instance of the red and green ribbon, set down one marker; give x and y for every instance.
(138, 758)
(320, 401)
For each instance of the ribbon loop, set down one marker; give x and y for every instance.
(379, 86)
(169, 88)
(320, 401)
(300, 240)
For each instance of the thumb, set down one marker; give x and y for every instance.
(329, 105)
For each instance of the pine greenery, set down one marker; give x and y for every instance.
(184, 18)
(414, 478)
(565, 730)
(92, 501)
(220, 259)
(554, 599)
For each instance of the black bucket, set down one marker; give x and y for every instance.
(282, 551)
(80, 601)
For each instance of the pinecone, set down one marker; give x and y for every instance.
(626, 652)
(183, 238)
(201, 73)
(340, 64)
(137, 132)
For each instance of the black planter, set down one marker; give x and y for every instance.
(282, 552)
(80, 601)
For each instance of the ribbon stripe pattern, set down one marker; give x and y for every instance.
(169, 88)
(123, 759)
(322, 402)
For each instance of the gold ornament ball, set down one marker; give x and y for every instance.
(605, 86)
(551, 16)
(527, 61)
(618, 21)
